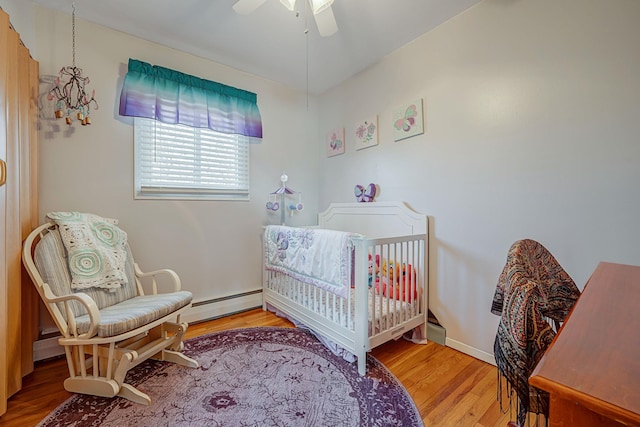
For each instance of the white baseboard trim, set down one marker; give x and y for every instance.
(471, 351)
(200, 310)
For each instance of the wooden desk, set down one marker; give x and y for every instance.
(592, 368)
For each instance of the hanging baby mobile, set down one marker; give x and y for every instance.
(69, 92)
(278, 199)
(365, 194)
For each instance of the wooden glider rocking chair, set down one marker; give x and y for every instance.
(105, 333)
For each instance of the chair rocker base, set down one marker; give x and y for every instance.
(124, 356)
(101, 386)
(177, 358)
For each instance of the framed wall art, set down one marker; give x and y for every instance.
(407, 120)
(366, 133)
(335, 142)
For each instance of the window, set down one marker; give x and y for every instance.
(181, 162)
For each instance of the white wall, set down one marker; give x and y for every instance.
(532, 112)
(214, 246)
(21, 15)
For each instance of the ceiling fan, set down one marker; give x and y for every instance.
(321, 10)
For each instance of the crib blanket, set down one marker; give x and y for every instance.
(319, 257)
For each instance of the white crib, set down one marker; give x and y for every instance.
(368, 316)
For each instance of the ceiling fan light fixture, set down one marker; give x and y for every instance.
(289, 4)
(321, 10)
(318, 6)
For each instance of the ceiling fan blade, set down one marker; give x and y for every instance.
(245, 7)
(326, 22)
(289, 4)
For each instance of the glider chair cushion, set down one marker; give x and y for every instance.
(106, 331)
(120, 310)
(134, 313)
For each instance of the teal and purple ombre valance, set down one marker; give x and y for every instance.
(172, 97)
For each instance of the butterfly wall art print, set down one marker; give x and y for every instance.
(365, 194)
(335, 142)
(408, 120)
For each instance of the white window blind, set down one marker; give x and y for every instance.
(181, 162)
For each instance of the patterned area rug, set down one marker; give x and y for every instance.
(252, 377)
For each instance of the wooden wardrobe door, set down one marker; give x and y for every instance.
(29, 207)
(13, 238)
(18, 207)
(4, 34)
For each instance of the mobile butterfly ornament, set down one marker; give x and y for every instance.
(365, 194)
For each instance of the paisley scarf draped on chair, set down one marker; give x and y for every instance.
(532, 290)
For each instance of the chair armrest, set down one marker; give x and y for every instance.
(156, 273)
(84, 299)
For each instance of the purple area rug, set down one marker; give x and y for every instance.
(252, 377)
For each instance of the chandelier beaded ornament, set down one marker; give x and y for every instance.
(69, 92)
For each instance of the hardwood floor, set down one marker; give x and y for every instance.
(449, 388)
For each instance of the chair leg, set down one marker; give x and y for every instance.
(125, 362)
(178, 329)
(97, 386)
(129, 392)
(173, 351)
(178, 358)
(100, 370)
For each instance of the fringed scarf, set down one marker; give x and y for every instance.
(532, 289)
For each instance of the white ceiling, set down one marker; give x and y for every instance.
(271, 42)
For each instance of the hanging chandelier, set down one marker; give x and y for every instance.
(69, 92)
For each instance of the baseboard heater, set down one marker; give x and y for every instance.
(202, 311)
